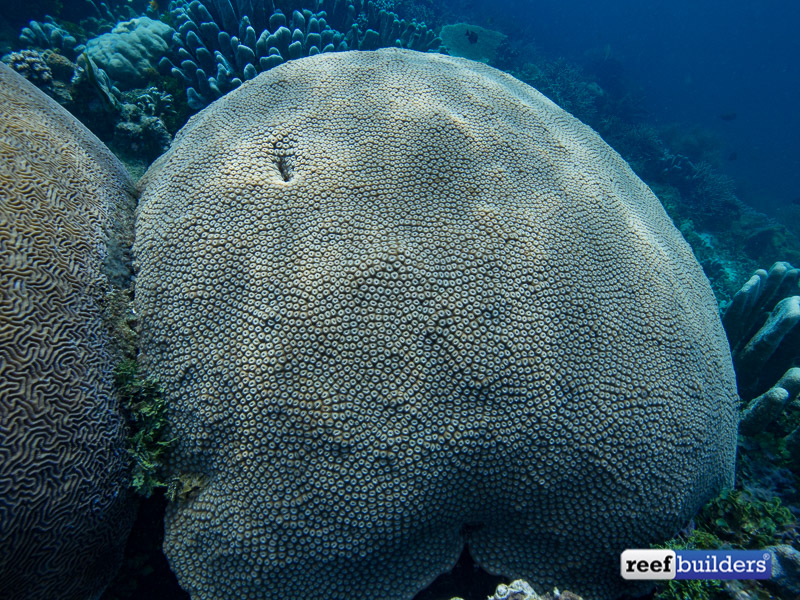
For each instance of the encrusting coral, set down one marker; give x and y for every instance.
(66, 213)
(400, 302)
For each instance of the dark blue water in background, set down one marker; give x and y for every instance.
(695, 61)
(692, 61)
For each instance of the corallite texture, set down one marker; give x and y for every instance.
(66, 223)
(401, 302)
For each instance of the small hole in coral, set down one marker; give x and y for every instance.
(285, 169)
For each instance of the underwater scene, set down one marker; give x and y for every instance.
(399, 300)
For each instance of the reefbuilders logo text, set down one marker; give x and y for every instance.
(696, 564)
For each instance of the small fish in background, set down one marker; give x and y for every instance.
(472, 37)
(733, 156)
(796, 201)
(728, 116)
(154, 6)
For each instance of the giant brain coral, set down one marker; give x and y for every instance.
(401, 303)
(66, 222)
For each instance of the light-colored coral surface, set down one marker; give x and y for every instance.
(401, 302)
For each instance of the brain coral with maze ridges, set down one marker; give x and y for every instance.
(401, 303)
(66, 219)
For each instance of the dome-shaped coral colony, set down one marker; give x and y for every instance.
(66, 222)
(401, 303)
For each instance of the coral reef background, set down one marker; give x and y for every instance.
(174, 58)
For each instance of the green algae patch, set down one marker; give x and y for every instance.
(145, 407)
(739, 521)
(732, 520)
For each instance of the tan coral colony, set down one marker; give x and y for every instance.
(402, 302)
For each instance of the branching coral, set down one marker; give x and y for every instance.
(32, 66)
(763, 326)
(108, 14)
(222, 43)
(565, 84)
(49, 35)
(761, 323)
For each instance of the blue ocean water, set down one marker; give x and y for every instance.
(727, 68)
(695, 62)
